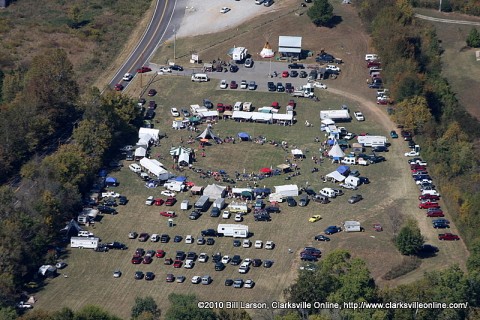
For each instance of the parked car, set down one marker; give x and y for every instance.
(291, 202)
(332, 229)
(355, 198)
(223, 84)
(152, 92)
(315, 218)
(248, 63)
(170, 277)
(321, 237)
(143, 237)
(296, 66)
(144, 69)
(139, 275)
(448, 237)
(233, 84)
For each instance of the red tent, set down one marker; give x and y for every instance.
(266, 170)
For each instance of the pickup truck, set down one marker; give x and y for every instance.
(300, 93)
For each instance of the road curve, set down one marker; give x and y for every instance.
(157, 30)
(471, 23)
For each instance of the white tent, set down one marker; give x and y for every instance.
(151, 133)
(214, 191)
(328, 121)
(260, 116)
(208, 114)
(140, 152)
(241, 115)
(152, 166)
(336, 176)
(267, 51)
(336, 152)
(240, 190)
(143, 142)
(178, 124)
(179, 150)
(207, 134)
(297, 153)
(184, 159)
(288, 190)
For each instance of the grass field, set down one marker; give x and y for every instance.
(391, 193)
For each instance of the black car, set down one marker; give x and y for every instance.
(380, 149)
(219, 266)
(364, 180)
(233, 68)
(149, 276)
(310, 192)
(272, 209)
(308, 257)
(210, 241)
(262, 217)
(228, 282)
(215, 213)
(296, 66)
(237, 243)
(138, 275)
(101, 248)
(267, 263)
(441, 225)
(117, 246)
(177, 239)
(176, 67)
(293, 73)
(291, 202)
(164, 238)
(207, 104)
(217, 257)
(122, 200)
(303, 74)
(209, 233)
(191, 256)
(110, 203)
(376, 159)
(106, 209)
(271, 86)
(236, 260)
(180, 255)
(256, 262)
(280, 87)
(321, 237)
(194, 215)
(375, 85)
(150, 114)
(289, 87)
(325, 58)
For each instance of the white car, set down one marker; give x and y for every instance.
(243, 84)
(188, 239)
(117, 273)
(246, 243)
(320, 85)
(225, 259)
(24, 305)
(150, 200)
(223, 84)
(168, 193)
(127, 77)
(224, 10)
(258, 244)
(174, 112)
(226, 215)
(249, 283)
(110, 194)
(333, 68)
(196, 279)
(269, 245)
(412, 153)
(359, 116)
(188, 264)
(238, 217)
(202, 257)
(165, 69)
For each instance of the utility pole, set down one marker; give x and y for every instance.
(440, 6)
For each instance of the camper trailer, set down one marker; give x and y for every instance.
(202, 203)
(372, 141)
(237, 207)
(275, 197)
(84, 242)
(219, 203)
(174, 186)
(184, 205)
(233, 230)
(352, 226)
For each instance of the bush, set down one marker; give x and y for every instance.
(408, 265)
(473, 39)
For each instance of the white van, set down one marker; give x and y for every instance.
(349, 160)
(328, 192)
(84, 233)
(199, 77)
(370, 57)
(135, 168)
(238, 106)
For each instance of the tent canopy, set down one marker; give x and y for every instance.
(214, 191)
(343, 170)
(244, 135)
(207, 134)
(265, 170)
(336, 152)
(289, 190)
(336, 176)
(111, 180)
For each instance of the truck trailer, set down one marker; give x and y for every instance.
(84, 242)
(233, 230)
(335, 115)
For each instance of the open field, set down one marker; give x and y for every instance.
(392, 191)
(460, 66)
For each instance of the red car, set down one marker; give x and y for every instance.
(285, 74)
(190, 184)
(170, 201)
(427, 205)
(152, 92)
(373, 64)
(448, 237)
(233, 85)
(147, 260)
(177, 264)
(168, 214)
(118, 87)
(292, 103)
(220, 107)
(158, 202)
(436, 213)
(228, 107)
(137, 260)
(144, 69)
(419, 171)
(384, 102)
(160, 254)
(168, 261)
(275, 105)
(170, 277)
(429, 197)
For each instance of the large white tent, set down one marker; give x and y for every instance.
(288, 190)
(140, 152)
(335, 175)
(148, 133)
(152, 166)
(336, 152)
(214, 191)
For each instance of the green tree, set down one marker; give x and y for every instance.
(409, 240)
(321, 13)
(145, 307)
(185, 307)
(413, 113)
(93, 313)
(8, 313)
(473, 38)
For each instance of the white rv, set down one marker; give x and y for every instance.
(219, 203)
(84, 242)
(174, 186)
(275, 197)
(233, 230)
(352, 226)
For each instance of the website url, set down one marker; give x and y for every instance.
(405, 305)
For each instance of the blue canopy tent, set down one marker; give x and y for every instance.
(244, 136)
(111, 181)
(181, 179)
(344, 170)
(331, 142)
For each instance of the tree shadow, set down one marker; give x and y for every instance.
(336, 20)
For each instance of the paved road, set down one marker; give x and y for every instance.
(471, 23)
(160, 28)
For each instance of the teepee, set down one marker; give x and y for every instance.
(267, 51)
